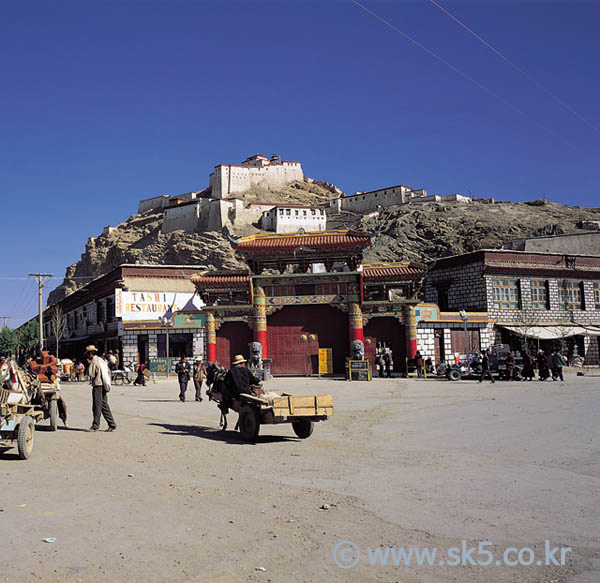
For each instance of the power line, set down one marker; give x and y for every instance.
(451, 66)
(515, 66)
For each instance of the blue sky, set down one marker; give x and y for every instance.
(107, 102)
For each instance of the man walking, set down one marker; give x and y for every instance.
(558, 361)
(99, 376)
(198, 378)
(485, 366)
(182, 368)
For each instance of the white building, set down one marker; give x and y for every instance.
(362, 202)
(258, 170)
(289, 218)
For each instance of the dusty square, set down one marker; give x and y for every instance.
(402, 463)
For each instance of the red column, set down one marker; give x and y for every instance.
(260, 319)
(410, 321)
(211, 338)
(355, 321)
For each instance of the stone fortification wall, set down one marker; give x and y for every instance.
(228, 179)
(156, 202)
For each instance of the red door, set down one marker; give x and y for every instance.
(232, 338)
(296, 333)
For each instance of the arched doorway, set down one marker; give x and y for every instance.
(387, 331)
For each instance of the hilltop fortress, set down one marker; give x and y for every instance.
(218, 206)
(258, 170)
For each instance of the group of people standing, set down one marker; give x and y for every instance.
(185, 371)
(549, 364)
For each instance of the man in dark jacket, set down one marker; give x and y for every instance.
(485, 366)
(182, 368)
(239, 379)
(558, 361)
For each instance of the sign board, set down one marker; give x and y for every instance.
(427, 312)
(132, 306)
(189, 321)
(160, 365)
(325, 361)
(358, 370)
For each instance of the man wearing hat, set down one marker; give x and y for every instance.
(239, 379)
(99, 376)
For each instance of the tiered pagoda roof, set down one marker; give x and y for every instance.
(392, 272)
(211, 279)
(339, 239)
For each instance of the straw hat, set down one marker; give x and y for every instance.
(238, 359)
(91, 348)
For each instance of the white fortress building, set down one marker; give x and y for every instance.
(288, 218)
(258, 170)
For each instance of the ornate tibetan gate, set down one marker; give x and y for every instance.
(388, 330)
(297, 332)
(232, 339)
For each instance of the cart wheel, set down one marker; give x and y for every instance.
(454, 375)
(303, 429)
(118, 379)
(53, 415)
(25, 437)
(249, 423)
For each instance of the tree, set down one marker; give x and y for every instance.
(58, 322)
(8, 341)
(29, 335)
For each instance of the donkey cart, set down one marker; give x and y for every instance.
(301, 411)
(17, 423)
(267, 408)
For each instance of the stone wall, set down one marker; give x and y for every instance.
(156, 202)
(231, 179)
(466, 287)
(554, 315)
(426, 337)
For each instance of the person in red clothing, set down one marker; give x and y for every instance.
(419, 363)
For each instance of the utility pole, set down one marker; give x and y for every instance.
(41, 277)
(4, 318)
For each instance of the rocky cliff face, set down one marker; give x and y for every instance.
(426, 231)
(418, 231)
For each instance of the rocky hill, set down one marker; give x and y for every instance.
(416, 231)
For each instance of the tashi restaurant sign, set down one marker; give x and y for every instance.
(153, 305)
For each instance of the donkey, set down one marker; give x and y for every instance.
(217, 390)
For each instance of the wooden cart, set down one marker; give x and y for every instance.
(301, 411)
(17, 423)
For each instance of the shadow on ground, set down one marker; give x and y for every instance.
(232, 437)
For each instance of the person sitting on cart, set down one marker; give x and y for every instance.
(237, 381)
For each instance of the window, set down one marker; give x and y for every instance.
(304, 213)
(597, 294)
(296, 213)
(505, 294)
(539, 294)
(313, 212)
(569, 294)
(280, 211)
(288, 212)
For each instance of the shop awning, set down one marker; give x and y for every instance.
(554, 332)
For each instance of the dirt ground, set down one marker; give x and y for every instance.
(402, 463)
